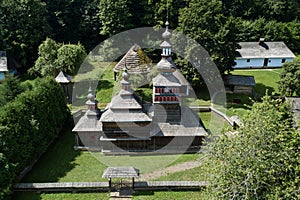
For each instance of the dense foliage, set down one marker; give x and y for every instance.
(216, 24)
(27, 124)
(289, 82)
(205, 22)
(55, 57)
(9, 89)
(23, 26)
(262, 160)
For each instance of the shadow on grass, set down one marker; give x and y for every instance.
(261, 89)
(241, 101)
(26, 196)
(57, 161)
(104, 84)
(144, 193)
(202, 92)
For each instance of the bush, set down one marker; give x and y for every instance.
(28, 123)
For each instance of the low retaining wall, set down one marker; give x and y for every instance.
(104, 186)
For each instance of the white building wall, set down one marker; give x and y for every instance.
(247, 63)
(278, 62)
(242, 63)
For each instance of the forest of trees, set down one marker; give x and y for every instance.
(217, 25)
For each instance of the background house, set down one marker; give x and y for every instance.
(262, 54)
(3, 65)
(239, 84)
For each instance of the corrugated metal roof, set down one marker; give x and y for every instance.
(264, 50)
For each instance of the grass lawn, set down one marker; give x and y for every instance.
(213, 122)
(266, 79)
(194, 195)
(195, 174)
(61, 163)
(60, 196)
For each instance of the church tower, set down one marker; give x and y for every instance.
(167, 88)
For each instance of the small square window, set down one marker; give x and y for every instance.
(283, 60)
(248, 60)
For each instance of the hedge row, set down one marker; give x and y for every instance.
(27, 124)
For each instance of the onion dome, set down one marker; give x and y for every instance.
(167, 35)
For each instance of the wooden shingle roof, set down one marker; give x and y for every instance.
(239, 80)
(264, 50)
(63, 78)
(135, 60)
(121, 172)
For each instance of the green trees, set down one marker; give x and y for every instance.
(262, 160)
(27, 124)
(55, 57)
(10, 89)
(205, 22)
(290, 78)
(279, 10)
(114, 16)
(23, 26)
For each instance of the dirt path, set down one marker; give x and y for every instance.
(168, 170)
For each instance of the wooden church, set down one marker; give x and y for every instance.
(128, 124)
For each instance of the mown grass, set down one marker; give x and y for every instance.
(61, 163)
(193, 195)
(195, 174)
(60, 196)
(266, 79)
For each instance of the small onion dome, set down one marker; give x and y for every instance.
(166, 35)
(90, 96)
(125, 75)
(125, 81)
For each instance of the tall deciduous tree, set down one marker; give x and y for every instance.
(23, 26)
(203, 21)
(55, 57)
(114, 16)
(64, 16)
(279, 10)
(290, 78)
(262, 160)
(90, 25)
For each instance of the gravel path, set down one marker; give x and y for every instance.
(169, 170)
